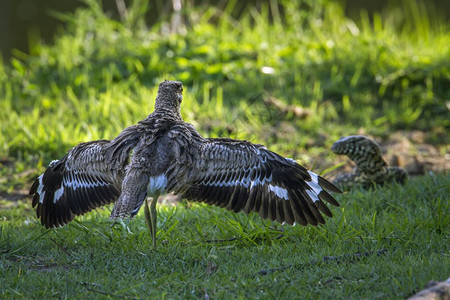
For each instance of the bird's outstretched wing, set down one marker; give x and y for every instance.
(241, 176)
(81, 181)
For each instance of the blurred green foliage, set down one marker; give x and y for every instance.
(101, 75)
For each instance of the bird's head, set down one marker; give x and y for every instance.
(170, 95)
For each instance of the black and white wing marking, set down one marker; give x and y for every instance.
(241, 176)
(81, 181)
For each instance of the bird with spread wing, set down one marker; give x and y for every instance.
(163, 154)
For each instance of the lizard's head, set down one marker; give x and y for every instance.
(356, 145)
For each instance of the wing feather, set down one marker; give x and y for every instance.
(288, 215)
(81, 181)
(241, 176)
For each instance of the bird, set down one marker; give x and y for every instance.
(371, 169)
(163, 154)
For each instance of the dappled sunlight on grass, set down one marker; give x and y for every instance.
(101, 76)
(386, 241)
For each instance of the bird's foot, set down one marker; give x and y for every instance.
(123, 223)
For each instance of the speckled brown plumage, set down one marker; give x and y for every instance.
(164, 154)
(370, 169)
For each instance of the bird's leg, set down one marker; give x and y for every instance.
(153, 217)
(148, 218)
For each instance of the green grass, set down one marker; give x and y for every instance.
(101, 75)
(402, 230)
(377, 74)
